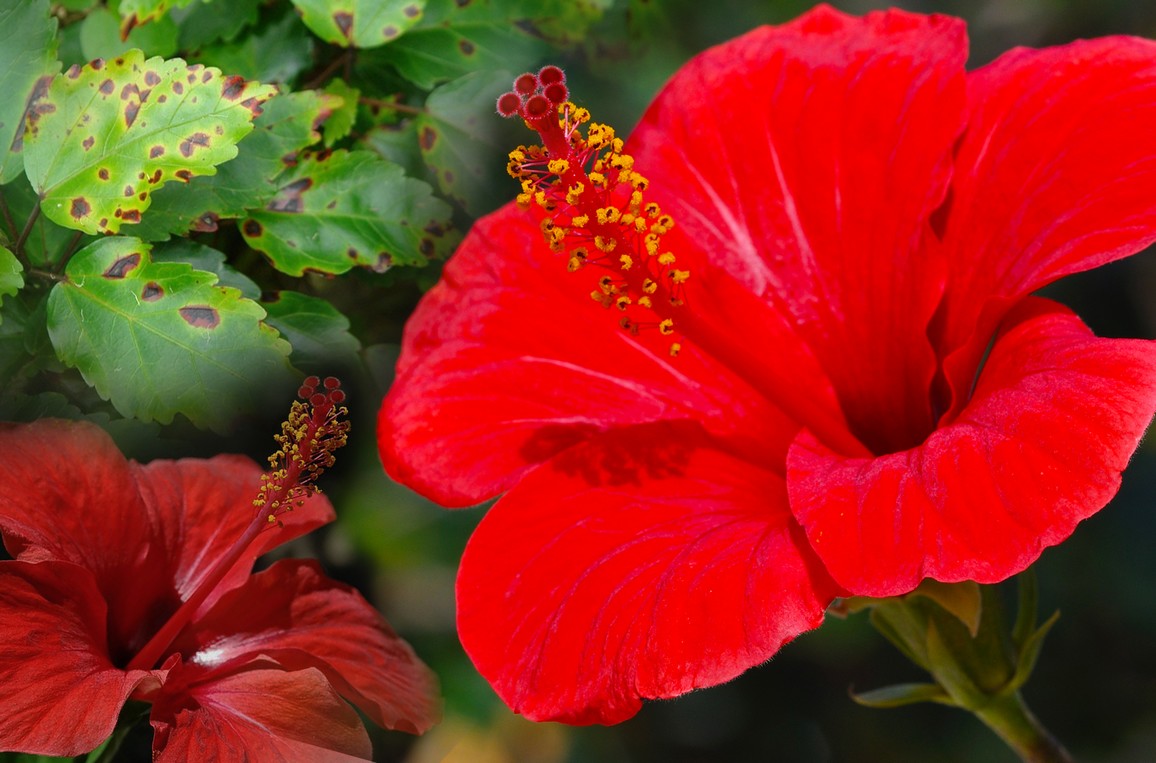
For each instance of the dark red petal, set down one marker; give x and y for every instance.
(642, 564)
(1054, 176)
(297, 616)
(199, 507)
(266, 715)
(59, 692)
(1054, 418)
(508, 361)
(806, 159)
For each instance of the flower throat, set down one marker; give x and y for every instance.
(597, 215)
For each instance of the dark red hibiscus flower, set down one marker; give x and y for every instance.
(796, 353)
(134, 581)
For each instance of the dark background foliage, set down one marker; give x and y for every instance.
(1095, 685)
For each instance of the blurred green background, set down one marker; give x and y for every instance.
(1095, 685)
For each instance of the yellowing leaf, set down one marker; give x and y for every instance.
(359, 23)
(108, 134)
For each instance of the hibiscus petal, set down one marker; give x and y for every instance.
(1054, 176)
(295, 615)
(266, 715)
(198, 509)
(806, 159)
(642, 564)
(60, 693)
(1054, 418)
(508, 361)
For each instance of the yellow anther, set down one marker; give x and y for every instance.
(575, 263)
(629, 325)
(597, 178)
(540, 198)
(679, 276)
(644, 301)
(675, 348)
(608, 215)
(579, 114)
(617, 145)
(651, 244)
(666, 326)
(621, 161)
(640, 224)
(626, 219)
(605, 244)
(639, 182)
(579, 221)
(606, 284)
(546, 225)
(652, 209)
(636, 201)
(649, 286)
(627, 261)
(666, 258)
(574, 193)
(558, 166)
(523, 200)
(622, 302)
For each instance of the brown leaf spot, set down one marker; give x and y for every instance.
(151, 78)
(123, 266)
(131, 216)
(254, 106)
(131, 109)
(119, 61)
(352, 253)
(344, 22)
(73, 71)
(390, 31)
(384, 262)
(208, 75)
(156, 177)
(88, 142)
(97, 64)
(162, 98)
(449, 176)
(252, 228)
(435, 228)
(143, 195)
(466, 47)
(411, 11)
(129, 90)
(197, 139)
(152, 291)
(103, 223)
(184, 175)
(206, 223)
(427, 138)
(288, 199)
(155, 151)
(332, 204)
(462, 3)
(232, 87)
(102, 173)
(80, 207)
(200, 316)
(426, 246)
(178, 88)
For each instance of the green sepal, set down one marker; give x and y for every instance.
(960, 599)
(902, 694)
(1029, 653)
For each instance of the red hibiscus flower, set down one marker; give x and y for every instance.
(134, 581)
(796, 355)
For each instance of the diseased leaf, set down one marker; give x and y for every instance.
(343, 209)
(27, 55)
(288, 124)
(47, 242)
(360, 23)
(341, 121)
(462, 140)
(275, 52)
(106, 135)
(11, 276)
(100, 36)
(161, 338)
(318, 332)
(137, 12)
(209, 260)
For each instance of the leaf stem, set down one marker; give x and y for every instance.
(18, 247)
(7, 215)
(1010, 718)
(392, 105)
(324, 75)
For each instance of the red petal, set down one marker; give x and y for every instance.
(1054, 176)
(642, 564)
(806, 159)
(507, 361)
(266, 715)
(295, 615)
(198, 509)
(1054, 418)
(60, 693)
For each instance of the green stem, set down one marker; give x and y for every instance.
(1010, 718)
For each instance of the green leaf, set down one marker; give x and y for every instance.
(287, 125)
(341, 121)
(209, 260)
(397, 143)
(465, 143)
(960, 599)
(454, 40)
(27, 55)
(1027, 609)
(274, 52)
(1029, 654)
(345, 209)
(213, 20)
(318, 332)
(902, 694)
(47, 242)
(100, 36)
(360, 23)
(160, 338)
(11, 276)
(106, 135)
